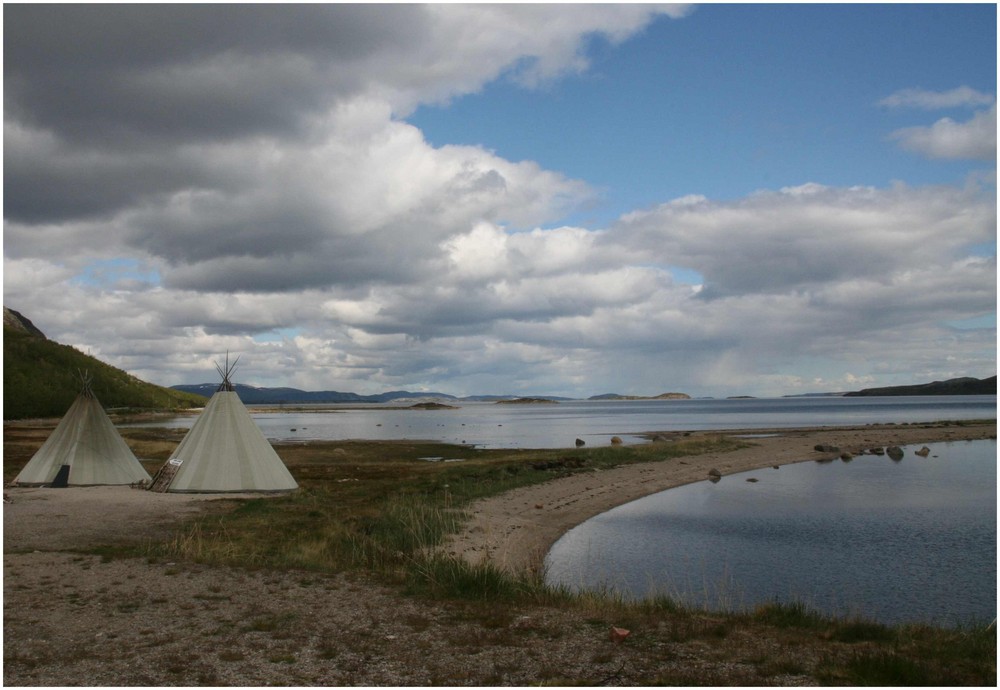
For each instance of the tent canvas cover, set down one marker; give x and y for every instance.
(87, 441)
(225, 451)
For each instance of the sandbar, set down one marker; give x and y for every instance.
(515, 530)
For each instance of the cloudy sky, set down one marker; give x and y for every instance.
(561, 199)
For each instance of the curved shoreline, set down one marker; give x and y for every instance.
(516, 529)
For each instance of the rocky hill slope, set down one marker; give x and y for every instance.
(42, 377)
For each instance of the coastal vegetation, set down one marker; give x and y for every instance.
(379, 509)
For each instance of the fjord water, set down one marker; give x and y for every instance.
(907, 541)
(491, 425)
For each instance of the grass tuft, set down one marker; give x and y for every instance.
(790, 615)
(886, 668)
(452, 578)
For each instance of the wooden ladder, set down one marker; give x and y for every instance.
(163, 477)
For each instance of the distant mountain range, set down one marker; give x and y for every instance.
(961, 386)
(253, 395)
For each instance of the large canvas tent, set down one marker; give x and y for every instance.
(224, 451)
(88, 444)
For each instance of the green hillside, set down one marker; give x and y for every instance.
(41, 378)
(960, 386)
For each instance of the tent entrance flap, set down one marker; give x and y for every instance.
(61, 480)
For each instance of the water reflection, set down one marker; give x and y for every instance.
(913, 541)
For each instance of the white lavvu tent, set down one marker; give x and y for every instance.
(224, 451)
(86, 441)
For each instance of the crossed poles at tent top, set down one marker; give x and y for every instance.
(226, 374)
(86, 383)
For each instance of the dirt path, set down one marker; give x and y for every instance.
(78, 517)
(516, 529)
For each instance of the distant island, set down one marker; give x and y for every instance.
(528, 401)
(960, 386)
(661, 396)
(432, 406)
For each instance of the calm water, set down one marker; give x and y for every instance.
(488, 425)
(908, 541)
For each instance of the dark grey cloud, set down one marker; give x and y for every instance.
(346, 263)
(204, 234)
(118, 74)
(103, 103)
(114, 35)
(111, 108)
(46, 181)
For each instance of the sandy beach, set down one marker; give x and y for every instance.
(516, 529)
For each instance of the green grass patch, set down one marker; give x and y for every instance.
(378, 507)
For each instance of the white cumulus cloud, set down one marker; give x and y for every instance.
(974, 139)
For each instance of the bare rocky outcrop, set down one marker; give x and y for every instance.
(19, 322)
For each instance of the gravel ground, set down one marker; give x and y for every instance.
(73, 619)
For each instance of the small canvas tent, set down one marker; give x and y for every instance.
(224, 451)
(87, 442)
